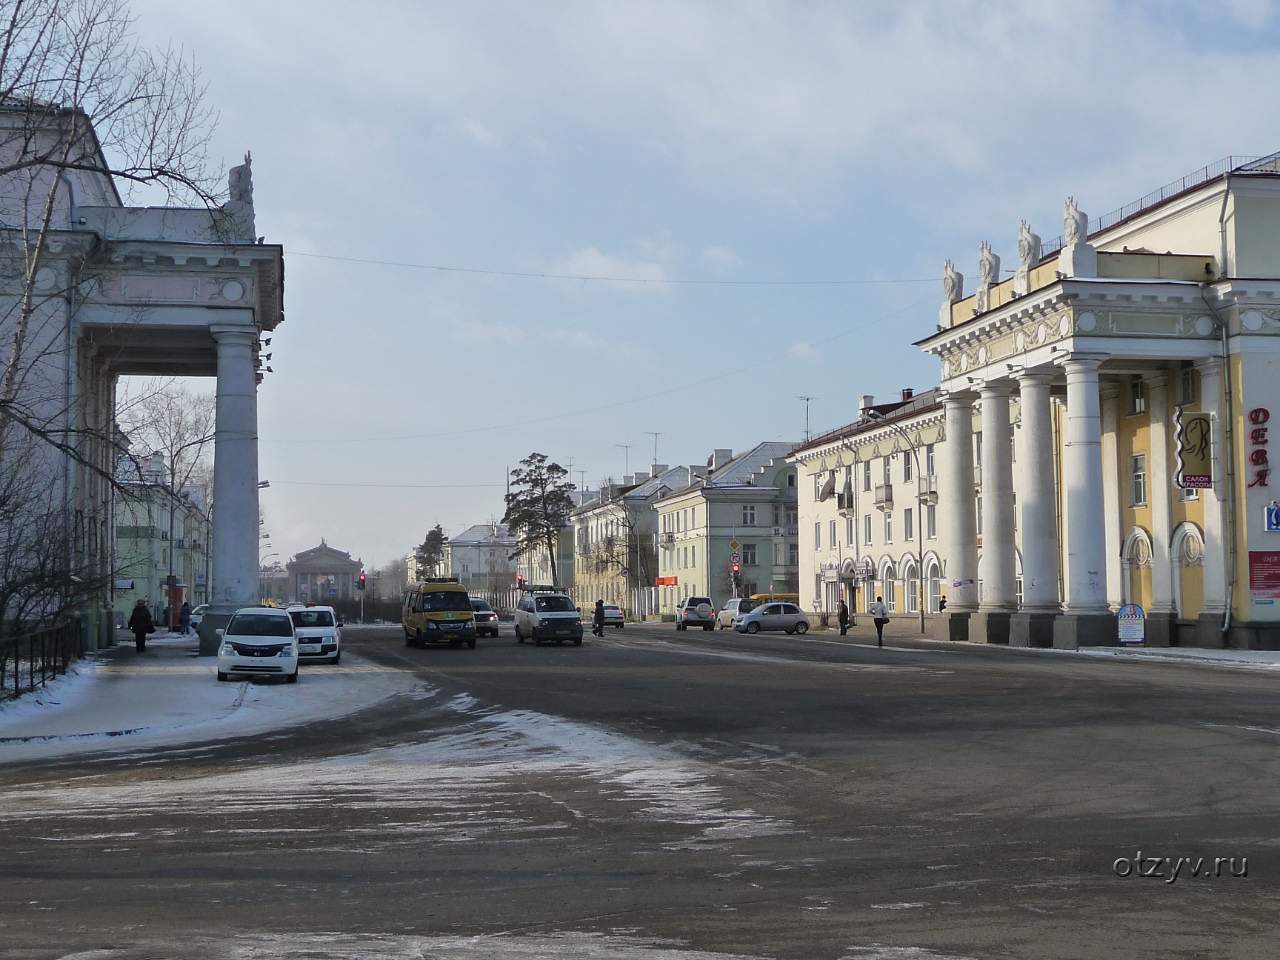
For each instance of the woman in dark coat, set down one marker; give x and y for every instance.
(140, 623)
(597, 619)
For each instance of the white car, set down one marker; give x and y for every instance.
(614, 616)
(258, 642)
(319, 632)
(197, 615)
(548, 616)
(733, 609)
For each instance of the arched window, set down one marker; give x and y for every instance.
(911, 584)
(933, 580)
(1187, 550)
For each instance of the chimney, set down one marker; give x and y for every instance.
(719, 457)
(907, 393)
(699, 471)
(628, 480)
(641, 477)
(659, 469)
(866, 402)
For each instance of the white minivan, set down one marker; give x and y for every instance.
(258, 642)
(319, 632)
(548, 614)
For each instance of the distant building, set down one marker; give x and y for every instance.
(480, 557)
(322, 574)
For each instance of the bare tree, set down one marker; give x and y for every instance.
(176, 423)
(628, 548)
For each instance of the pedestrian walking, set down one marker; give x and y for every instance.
(880, 616)
(141, 624)
(842, 615)
(184, 618)
(597, 619)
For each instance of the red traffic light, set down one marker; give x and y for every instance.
(736, 568)
(362, 580)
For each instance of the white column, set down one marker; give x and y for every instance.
(1215, 546)
(956, 504)
(1036, 496)
(998, 567)
(1159, 483)
(1082, 474)
(1115, 586)
(235, 472)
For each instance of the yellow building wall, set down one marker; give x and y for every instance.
(1133, 439)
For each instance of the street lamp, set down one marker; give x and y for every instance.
(912, 447)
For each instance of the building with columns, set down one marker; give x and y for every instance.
(1142, 353)
(119, 290)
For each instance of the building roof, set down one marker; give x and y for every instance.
(922, 402)
(743, 469)
(324, 553)
(673, 479)
(483, 534)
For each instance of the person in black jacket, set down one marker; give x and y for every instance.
(843, 618)
(597, 619)
(141, 624)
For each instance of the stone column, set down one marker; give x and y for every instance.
(1215, 531)
(998, 567)
(1111, 490)
(1159, 483)
(1032, 626)
(235, 483)
(959, 519)
(1086, 620)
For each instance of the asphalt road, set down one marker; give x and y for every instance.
(664, 796)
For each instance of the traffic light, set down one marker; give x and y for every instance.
(736, 569)
(360, 582)
(519, 581)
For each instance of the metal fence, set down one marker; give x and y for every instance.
(32, 659)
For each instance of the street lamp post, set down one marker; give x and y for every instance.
(912, 448)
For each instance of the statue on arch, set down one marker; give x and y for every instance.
(988, 265)
(1075, 223)
(239, 205)
(1028, 246)
(952, 283)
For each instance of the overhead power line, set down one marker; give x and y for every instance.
(353, 483)
(593, 278)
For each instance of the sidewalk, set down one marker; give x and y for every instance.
(168, 695)
(900, 631)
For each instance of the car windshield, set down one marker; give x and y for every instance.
(554, 605)
(438, 601)
(699, 601)
(480, 605)
(311, 618)
(258, 625)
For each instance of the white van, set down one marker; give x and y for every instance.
(548, 613)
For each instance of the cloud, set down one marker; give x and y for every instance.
(480, 133)
(487, 332)
(647, 275)
(721, 260)
(579, 339)
(802, 350)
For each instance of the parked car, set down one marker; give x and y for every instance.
(319, 632)
(733, 609)
(696, 612)
(548, 615)
(259, 642)
(197, 615)
(486, 618)
(773, 616)
(613, 616)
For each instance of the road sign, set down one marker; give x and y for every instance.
(1271, 517)
(735, 557)
(734, 545)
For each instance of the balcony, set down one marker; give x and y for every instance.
(929, 489)
(883, 496)
(668, 538)
(845, 502)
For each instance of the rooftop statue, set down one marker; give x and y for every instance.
(988, 265)
(1075, 223)
(1028, 246)
(239, 206)
(240, 181)
(952, 283)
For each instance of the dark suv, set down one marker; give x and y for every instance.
(696, 612)
(486, 618)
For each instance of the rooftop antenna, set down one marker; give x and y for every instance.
(626, 457)
(582, 476)
(655, 434)
(806, 415)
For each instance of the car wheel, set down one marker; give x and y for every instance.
(292, 678)
(753, 628)
(621, 625)
(337, 657)
(222, 676)
(802, 627)
(679, 626)
(417, 639)
(578, 642)
(408, 640)
(519, 635)
(789, 630)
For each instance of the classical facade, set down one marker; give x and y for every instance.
(322, 574)
(744, 505)
(615, 537)
(1143, 352)
(130, 290)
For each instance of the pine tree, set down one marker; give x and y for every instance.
(430, 553)
(538, 506)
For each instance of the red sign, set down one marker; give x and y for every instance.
(666, 581)
(1258, 418)
(1264, 573)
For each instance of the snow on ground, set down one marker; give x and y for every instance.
(168, 695)
(501, 773)
(1258, 659)
(562, 946)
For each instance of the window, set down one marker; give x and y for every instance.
(793, 516)
(693, 556)
(1138, 466)
(817, 486)
(793, 554)
(1190, 493)
(913, 592)
(888, 526)
(748, 514)
(848, 531)
(977, 448)
(888, 470)
(928, 460)
(817, 535)
(831, 541)
(978, 513)
(1187, 386)
(791, 481)
(931, 521)
(866, 476)
(866, 529)
(906, 467)
(748, 554)
(1137, 396)
(908, 525)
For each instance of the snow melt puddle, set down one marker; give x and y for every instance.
(514, 772)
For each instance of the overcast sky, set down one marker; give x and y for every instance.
(658, 141)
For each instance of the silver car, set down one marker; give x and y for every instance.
(773, 616)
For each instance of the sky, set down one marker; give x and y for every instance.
(859, 142)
